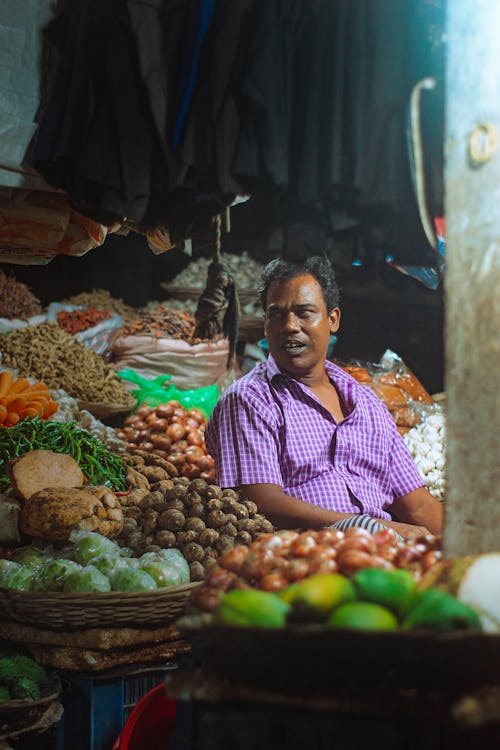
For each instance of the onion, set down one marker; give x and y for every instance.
(194, 454)
(144, 410)
(163, 442)
(206, 463)
(140, 425)
(196, 414)
(147, 446)
(176, 431)
(194, 437)
(165, 411)
(158, 424)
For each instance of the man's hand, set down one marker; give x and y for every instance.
(407, 530)
(421, 509)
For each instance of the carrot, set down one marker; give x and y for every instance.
(6, 380)
(12, 419)
(39, 406)
(3, 413)
(20, 385)
(18, 403)
(29, 411)
(51, 409)
(36, 389)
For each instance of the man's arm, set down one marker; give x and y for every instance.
(419, 508)
(287, 512)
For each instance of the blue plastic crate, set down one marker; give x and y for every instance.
(97, 706)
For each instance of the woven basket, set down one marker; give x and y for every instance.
(75, 611)
(102, 411)
(16, 715)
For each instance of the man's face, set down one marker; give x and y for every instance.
(298, 325)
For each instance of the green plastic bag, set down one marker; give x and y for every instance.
(159, 391)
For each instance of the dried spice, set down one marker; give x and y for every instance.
(74, 321)
(163, 322)
(16, 299)
(48, 353)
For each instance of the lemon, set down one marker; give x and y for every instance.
(363, 616)
(395, 589)
(313, 598)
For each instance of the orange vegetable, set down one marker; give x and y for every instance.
(20, 385)
(51, 409)
(6, 381)
(12, 419)
(3, 413)
(29, 411)
(18, 403)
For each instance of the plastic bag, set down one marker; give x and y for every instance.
(100, 337)
(397, 386)
(155, 392)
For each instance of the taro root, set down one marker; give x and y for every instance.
(214, 503)
(208, 537)
(197, 511)
(165, 538)
(129, 524)
(150, 499)
(224, 544)
(177, 492)
(243, 537)
(172, 519)
(197, 573)
(193, 551)
(149, 520)
(250, 506)
(198, 485)
(132, 511)
(175, 505)
(162, 486)
(195, 524)
(192, 497)
(229, 529)
(185, 537)
(213, 491)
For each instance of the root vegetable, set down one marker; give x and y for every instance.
(172, 519)
(40, 469)
(197, 573)
(193, 552)
(208, 537)
(195, 524)
(213, 491)
(198, 485)
(134, 497)
(185, 537)
(228, 529)
(165, 538)
(197, 511)
(243, 537)
(149, 521)
(224, 544)
(192, 497)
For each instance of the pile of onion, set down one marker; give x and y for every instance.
(174, 433)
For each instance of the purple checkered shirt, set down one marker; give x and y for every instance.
(269, 428)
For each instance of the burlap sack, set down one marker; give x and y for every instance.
(191, 365)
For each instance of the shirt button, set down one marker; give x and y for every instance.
(341, 465)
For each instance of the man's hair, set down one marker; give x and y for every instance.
(320, 267)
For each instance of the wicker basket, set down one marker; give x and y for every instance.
(75, 611)
(18, 715)
(102, 411)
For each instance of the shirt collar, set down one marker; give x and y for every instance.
(334, 371)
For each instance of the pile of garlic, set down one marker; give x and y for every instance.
(69, 411)
(426, 443)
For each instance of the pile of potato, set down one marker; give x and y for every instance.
(199, 518)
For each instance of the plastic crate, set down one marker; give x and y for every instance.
(96, 707)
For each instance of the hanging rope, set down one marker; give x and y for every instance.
(217, 311)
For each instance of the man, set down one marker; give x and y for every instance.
(303, 440)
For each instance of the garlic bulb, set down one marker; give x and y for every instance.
(427, 444)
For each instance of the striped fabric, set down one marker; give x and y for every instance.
(269, 428)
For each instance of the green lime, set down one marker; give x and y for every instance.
(395, 589)
(315, 597)
(363, 616)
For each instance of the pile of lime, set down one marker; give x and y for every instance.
(371, 600)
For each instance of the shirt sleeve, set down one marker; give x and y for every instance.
(242, 438)
(404, 475)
